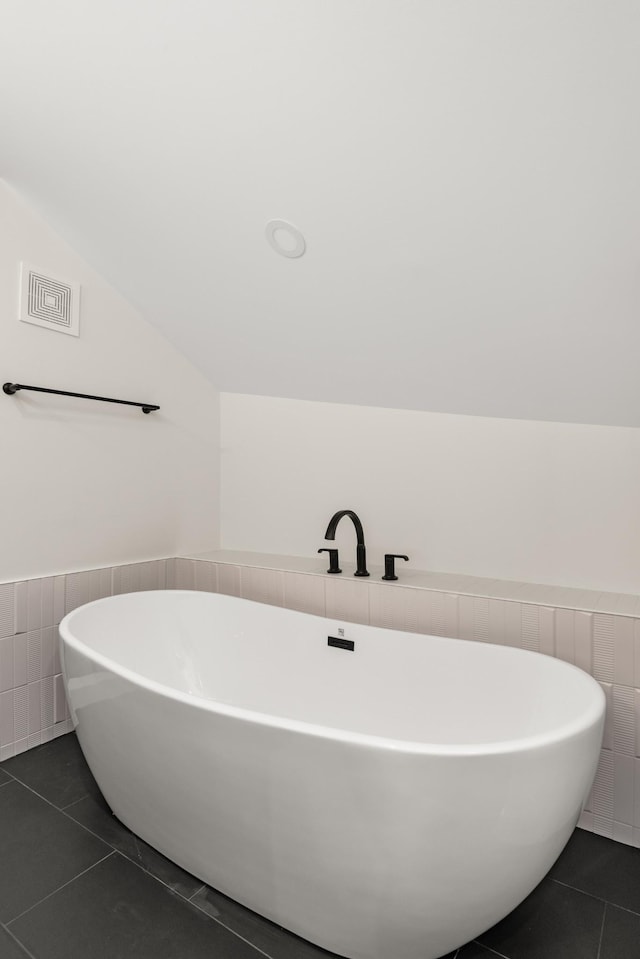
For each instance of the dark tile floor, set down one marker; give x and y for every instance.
(76, 884)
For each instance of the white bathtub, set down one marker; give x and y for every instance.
(390, 802)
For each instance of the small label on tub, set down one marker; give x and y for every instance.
(340, 642)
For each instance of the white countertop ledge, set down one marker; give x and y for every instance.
(537, 594)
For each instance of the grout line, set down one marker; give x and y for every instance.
(142, 868)
(194, 904)
(615, 905)
(203, 886)
(86, 828)
(74, 803)
(64, 884)
(20, 944)
(102, 839)
(604, 915)
(488, 948)
(135, 862)
(233, 931)
(607, 902)
(52, 804)
(70, 818)
(139, 866)
(568, 885)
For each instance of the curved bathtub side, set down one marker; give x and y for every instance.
(409, 854)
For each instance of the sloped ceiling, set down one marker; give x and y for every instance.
(465, 173)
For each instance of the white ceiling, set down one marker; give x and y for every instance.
(466, 174)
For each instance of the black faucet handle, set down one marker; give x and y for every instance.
(333, 560)
(389, 564)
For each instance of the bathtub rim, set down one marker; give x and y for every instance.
(589, 717)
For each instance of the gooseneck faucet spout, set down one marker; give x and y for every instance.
(361, 553)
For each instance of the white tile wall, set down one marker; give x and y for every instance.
(396, 608)
(7, 607)
(262, 585)
(33, 707)
(229, 580)
(206, 577)
(138, 576)
(346, 599)
(607, 645)
(305, 593)
(185, 574)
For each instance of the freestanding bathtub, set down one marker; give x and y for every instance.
(389, 801)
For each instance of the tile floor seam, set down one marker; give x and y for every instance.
(114, 849)
(16, 940)
(44, 798)
(86, 828)
(607, 902)
(184, 899)
(54, 891)
(70, 818)
(493, 952)
(604, 916)
(134, 862)
(74, 803)
(567, 885)
(615, 905)
(64, 813)
(229, 929)
(203, 886)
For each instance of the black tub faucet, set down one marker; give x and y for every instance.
(361, 553)
(389, 568)
(334, 563)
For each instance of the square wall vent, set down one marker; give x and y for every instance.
(49, 301)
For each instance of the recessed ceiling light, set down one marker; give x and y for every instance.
(285, 238)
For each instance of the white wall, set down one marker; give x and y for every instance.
(531, 501)
(87, 484)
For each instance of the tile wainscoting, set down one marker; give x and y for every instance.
(604, 643)
(33, 707)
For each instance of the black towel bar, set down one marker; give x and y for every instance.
(11, 388)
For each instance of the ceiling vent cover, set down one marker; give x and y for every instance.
(49, 301)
